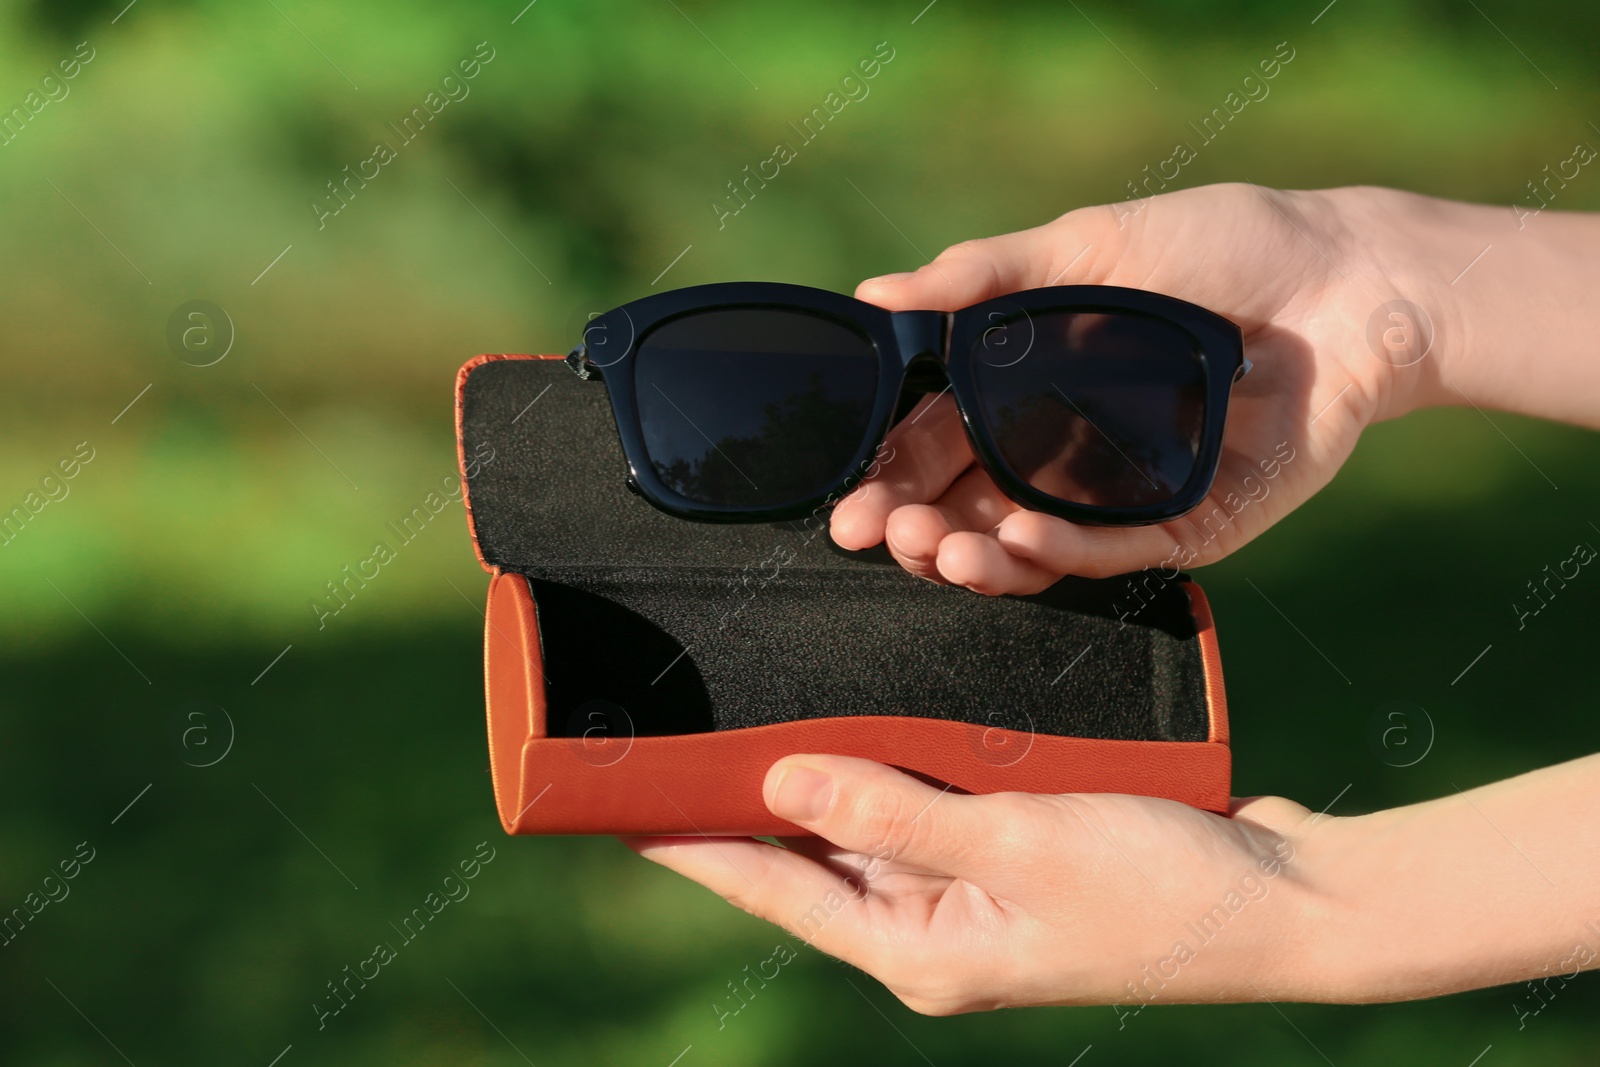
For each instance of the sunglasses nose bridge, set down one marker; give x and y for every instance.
(920, 335)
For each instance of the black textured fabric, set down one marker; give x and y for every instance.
(664, 626)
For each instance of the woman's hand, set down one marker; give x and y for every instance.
(1302, 273)
(964, 903)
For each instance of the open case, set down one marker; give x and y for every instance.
(643, 672)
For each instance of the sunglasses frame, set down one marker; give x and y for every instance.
(906, 342)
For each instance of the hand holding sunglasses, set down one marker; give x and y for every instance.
(960, 501)
(765, 402)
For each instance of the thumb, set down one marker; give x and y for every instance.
(878, 811)
(973, 271)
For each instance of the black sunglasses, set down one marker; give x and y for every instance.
(765, 402)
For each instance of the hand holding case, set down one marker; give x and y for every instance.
(642, 672)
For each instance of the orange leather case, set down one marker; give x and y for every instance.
(709, 782)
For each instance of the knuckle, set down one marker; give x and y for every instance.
(988, 586)
(1012, 827)
(904, 964)
(972, 248)
(1090, 236)
(937, 992)
(920, 564)
(1238, 196)
(946, 981)
(1099, 566)
(1086, 221)
(744, 900)
(879, 959)
(917, 438)
(916, 475)
(881, 816)
(1032, 527)
(923, 1006)
(1241, 191)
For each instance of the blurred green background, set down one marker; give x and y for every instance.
(181, 165)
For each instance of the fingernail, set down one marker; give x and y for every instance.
(892, 278)
(802, 795)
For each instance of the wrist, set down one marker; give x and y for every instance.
(1277, 947)
(1332, 930)
(1329, 932)
(1307, 942)
(1408, 327)
(1502, 297)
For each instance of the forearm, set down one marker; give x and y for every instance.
(1511, 296)
(1499, 884)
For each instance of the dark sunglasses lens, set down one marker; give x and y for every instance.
(1097, 408)
(754, 408)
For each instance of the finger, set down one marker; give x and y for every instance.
(922, 456)
(841, 861)
(868, 874)
(912, 537)
(984, 565)
(974, 502)
(785, 888)
(915, 532)
(972, 271)
(813, 847)
(1061, 547)
(881, 812)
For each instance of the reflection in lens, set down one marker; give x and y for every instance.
(1105, 410)
(754, 407)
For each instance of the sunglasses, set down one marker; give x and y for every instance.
(765, 402)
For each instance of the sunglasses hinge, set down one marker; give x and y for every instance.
(578, 360)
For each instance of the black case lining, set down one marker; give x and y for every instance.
(661, 626)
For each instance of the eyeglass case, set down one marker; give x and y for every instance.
(643, 672)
